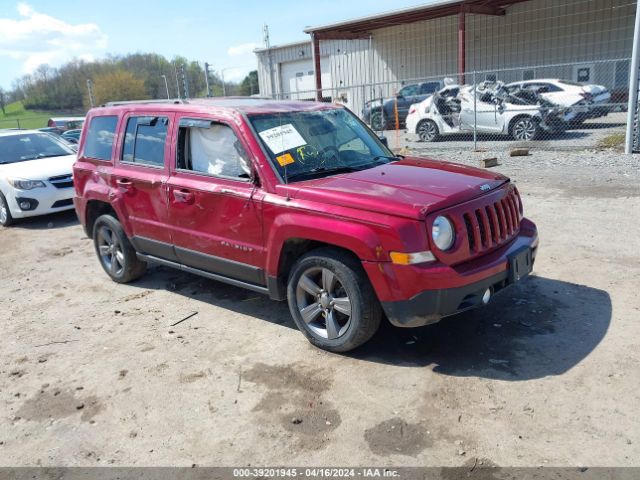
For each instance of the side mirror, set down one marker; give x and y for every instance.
(400, 97)
(384, 141)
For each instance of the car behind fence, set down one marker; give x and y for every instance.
(538, 106)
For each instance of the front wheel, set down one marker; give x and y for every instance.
(428, 131)
(377, 120)
(117, 256)
(5, 214)
(331, 300)
(525, 128)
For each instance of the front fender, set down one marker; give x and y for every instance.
(361, 239)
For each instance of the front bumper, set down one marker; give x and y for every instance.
(49, 200)
(431, 306)
(413, 296)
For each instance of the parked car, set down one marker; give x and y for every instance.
(72, 136)
(35, 175)
(523, 115)
(52, 130)
(62, 124)
(302, 202)
(380, 113)
(588, 101)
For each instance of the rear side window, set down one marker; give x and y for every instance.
(144, 142)
(99, 142)
(429, 87)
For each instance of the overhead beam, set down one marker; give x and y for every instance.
(482, 10)
(462, 54)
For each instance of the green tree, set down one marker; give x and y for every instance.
(3, 100)
(118, 85)
(249, 85)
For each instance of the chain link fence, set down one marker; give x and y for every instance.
(536, 107)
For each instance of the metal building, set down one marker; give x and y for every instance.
(370, 57)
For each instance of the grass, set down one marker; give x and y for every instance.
(16, 113)
(614, 141)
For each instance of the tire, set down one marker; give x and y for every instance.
(316, 282)
(428, 131)
(524, 129)
(377, 120)
(115, 252)
(6, 219)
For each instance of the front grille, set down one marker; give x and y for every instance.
(62, 181)
(62, 203)
(489, 226)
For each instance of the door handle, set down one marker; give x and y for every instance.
(126, 184)
(184, 196)
(228, 191)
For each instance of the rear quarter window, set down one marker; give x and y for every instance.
(100, 137)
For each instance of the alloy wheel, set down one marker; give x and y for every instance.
(524, 129)
(110, 251)
(427, 131)
(323, 303)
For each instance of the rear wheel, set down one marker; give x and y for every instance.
(5, 214)
(428, 131)
(332, 301)
(117, 256)
(525, 128)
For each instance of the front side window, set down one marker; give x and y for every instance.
(212, 149)
(100, 137)
(144, 141)
(308, 144)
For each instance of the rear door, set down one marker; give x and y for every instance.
(215, 210)
(140, 177)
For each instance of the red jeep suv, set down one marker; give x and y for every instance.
(302, 202)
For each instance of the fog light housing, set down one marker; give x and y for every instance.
(27, 204)
(486, 296)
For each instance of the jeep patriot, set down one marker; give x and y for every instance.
(300, 201)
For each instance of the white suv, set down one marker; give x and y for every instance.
(35, 175)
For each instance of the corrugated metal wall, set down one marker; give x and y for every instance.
(538, 33)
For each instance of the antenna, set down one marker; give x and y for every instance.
(267, 45)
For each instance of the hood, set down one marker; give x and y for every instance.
(411, 187)
(40, 169)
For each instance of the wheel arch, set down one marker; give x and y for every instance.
(94, 209)
(289, 242)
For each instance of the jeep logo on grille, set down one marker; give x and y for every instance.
(485, 187)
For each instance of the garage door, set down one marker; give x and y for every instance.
(297, 80)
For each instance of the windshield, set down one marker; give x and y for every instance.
(31, 146)
(303, 145)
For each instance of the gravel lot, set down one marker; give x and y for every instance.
(94, 373)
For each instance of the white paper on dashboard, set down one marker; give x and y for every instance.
(282, 138)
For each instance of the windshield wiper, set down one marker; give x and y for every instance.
(322, 171)
(386, 157)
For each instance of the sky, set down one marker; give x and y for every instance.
(222, 33)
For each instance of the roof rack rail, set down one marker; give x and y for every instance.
(130, 102)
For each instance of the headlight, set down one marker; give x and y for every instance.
(442, 233)
(25, 184)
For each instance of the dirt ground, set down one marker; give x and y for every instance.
(94, 373)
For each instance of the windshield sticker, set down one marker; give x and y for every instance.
(282, 138)
(285, 159)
